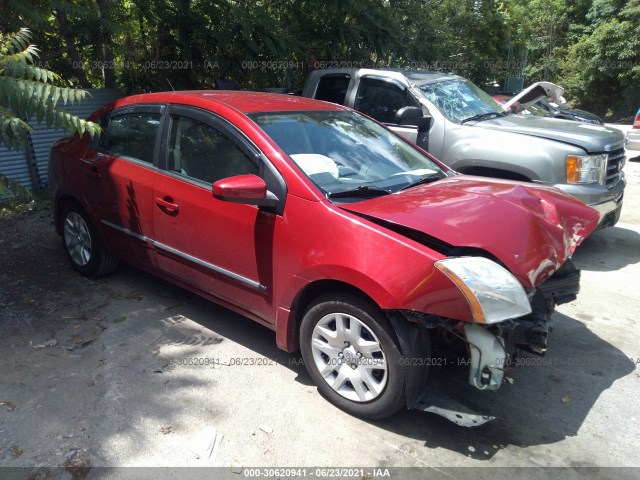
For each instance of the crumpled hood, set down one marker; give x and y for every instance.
(530, 229)
(535, 92)
(592, 138)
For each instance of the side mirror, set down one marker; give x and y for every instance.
(248, 189)
(413, 116)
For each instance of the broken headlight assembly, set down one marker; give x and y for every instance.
(493, 293)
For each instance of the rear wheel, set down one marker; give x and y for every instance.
(352, 355)
(83, 247)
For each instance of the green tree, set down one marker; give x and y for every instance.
(601, 69)
(151, 45)
(27, 91)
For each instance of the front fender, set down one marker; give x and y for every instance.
(435, 294)
(539, 160)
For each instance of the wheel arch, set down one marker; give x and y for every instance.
(59, 205)
(100, 261)
(288, 324)
(493, 173)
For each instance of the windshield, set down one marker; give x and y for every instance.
(343, 152)
(459, 99)
(539, 109)
(545, 105)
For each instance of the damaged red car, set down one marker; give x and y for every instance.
(356, 247)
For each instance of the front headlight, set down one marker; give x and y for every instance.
(493, 293)
(587, 168)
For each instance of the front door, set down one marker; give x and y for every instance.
(381, 98)
(222, 248)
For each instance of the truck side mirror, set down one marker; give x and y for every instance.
(413, 116)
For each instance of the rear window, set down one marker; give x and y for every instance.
(333, 88)
(131, 135)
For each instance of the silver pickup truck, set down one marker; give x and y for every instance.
(465, 128)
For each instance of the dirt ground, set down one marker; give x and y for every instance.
(130, 370)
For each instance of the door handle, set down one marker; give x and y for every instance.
(166, 205)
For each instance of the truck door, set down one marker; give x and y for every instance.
(381, 98)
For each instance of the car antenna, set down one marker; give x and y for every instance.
(170, 84)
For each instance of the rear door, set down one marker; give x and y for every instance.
(222, 248)
(120, 172)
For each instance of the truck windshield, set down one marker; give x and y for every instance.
(346, 155)
(460, 100)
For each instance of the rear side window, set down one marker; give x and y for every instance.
(333, 88)
(381, 100)
(132, 135)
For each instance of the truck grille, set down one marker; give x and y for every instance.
(614, 167)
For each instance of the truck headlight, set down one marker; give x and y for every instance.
(587, 168)
(493, 293)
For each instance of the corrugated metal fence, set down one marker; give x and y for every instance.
(16, 165)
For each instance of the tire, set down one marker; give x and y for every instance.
(371, 385)
(82, 244)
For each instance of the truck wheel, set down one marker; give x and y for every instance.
(352, 355)
(83, 247)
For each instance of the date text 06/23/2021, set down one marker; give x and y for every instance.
(520, 361)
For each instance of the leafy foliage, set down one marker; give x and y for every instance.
(591, 47)
(12, 191)
(27, 90)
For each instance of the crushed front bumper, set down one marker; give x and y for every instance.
(491, 348)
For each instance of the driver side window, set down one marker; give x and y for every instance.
(381, 100)
(201, 151)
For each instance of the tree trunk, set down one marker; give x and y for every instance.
(70, 41)
(106, 51)
(185, 34)
(143, 33)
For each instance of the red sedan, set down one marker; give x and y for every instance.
(354, 246)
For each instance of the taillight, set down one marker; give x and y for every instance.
(636, 123)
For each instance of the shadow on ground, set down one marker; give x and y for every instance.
(548, 401)
(608, 250)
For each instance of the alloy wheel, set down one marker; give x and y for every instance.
(349, 357)
(77, 239)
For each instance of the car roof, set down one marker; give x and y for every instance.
(244, 101)
(420, 77)
(417, 77)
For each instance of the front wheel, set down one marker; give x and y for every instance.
(352, 355)
(83, 247)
